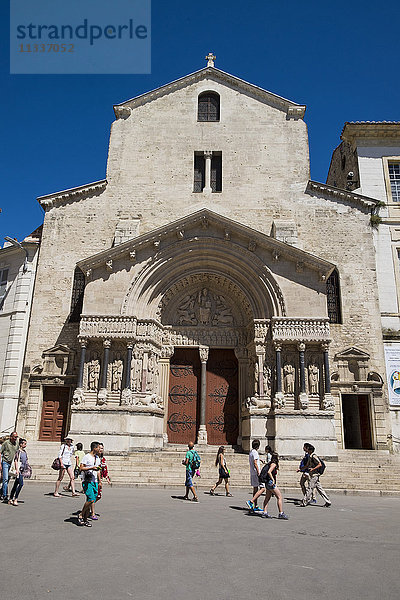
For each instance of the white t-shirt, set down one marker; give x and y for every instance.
(90, 461)
(254, 457)
(65, 455)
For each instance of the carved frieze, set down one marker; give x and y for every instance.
(304, 330)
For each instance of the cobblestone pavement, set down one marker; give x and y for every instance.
(149, 543)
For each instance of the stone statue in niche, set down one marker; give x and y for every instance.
(94, 372)
(256, 380)
(151, 373)
(136, 372)
(313, 378)
(204, 303)
(116, 373)
(267, 379)
(288, 378)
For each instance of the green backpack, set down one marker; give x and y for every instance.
(195, 462)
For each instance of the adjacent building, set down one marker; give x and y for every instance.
(368, 162)
(207, 289)
(17, 277)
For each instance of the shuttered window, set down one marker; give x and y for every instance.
(3, 286)
(208, 107)
(199, 173)
(333, 297)
(216, 173)
(78, 291)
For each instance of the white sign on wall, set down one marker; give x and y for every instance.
(392, 356)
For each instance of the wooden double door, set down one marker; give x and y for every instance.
(222, 407)
(54, 413)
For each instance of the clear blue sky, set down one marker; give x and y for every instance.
(339, 58)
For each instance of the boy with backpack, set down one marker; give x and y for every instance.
(315, 467)
(192, 463)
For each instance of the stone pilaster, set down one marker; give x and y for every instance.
(202, 435)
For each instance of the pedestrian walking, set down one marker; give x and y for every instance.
(255, 470)
(89, 468)
(8, 451)
(22, 470)
(102, 475)
(76, 461)
(223, 471)
(192, 463)
(65, 456)
(272, 489)
(305, 476)
(314, 465)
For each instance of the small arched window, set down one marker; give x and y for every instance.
(333, 297)
(78, 290)
(208, 107)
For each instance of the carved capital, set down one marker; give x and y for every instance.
(301, 347)
(203, 351)
(241, 352)
(132, 255)
(278, 346)
(83, 342)
(167, 351)
(208, 154)
(109, 265)
(325, 346)
(107, 343)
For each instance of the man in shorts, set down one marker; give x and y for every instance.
(89, 468)
(255, 470)
(190, 471)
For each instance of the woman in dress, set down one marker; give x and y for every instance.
(224, 475)
(21, 468)
(65, 456)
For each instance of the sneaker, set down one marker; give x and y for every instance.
(328, 504)
(195, 499)
(5, 499)
(313, 501)
(283, 516)
(265, 516)
(250, 505)
(303, 503)
(258, 509)
(87, 523)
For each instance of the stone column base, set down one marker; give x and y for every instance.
(328, 402)
(202, 436)
(303, 400)
(102, 397)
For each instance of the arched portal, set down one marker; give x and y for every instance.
(211, 299)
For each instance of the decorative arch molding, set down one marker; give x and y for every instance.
(206, 255)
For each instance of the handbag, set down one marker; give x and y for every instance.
(27, 471)
(56, 464)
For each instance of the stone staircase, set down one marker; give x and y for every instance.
(367, 471)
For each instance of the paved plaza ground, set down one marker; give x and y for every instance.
(148, 543)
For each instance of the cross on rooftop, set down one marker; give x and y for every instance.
(210, 59)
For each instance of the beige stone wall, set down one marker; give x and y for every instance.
(150, 175)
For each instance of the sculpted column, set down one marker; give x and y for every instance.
(102, 395)
(164, 365)
(207, 179)
(279, 400)
(126, 396)
(79, 397)
(328, 402)
(303, 398)
(202, 435)
(242, 357)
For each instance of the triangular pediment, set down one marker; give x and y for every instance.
(58, 350)
(292, 109)
(216, 228)
(352, 354)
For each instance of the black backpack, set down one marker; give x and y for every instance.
(321, 469)
(263, 476)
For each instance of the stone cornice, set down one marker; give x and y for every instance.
(292, 109)
(72, 194)
(370, 129)
(208, 218)
(339, 195)
(288, 329)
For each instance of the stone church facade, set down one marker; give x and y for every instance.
(207, 289)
